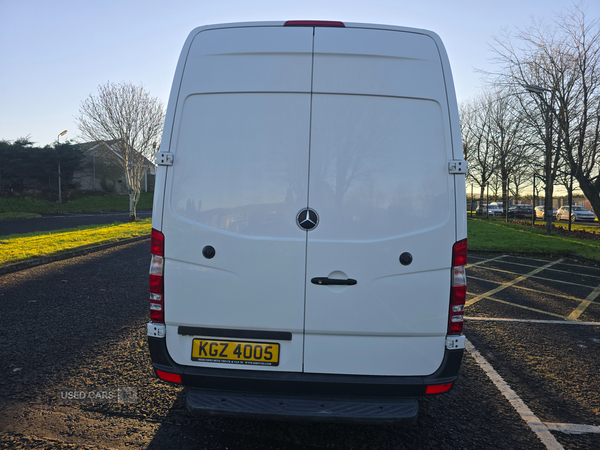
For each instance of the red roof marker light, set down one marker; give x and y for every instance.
(313, 23)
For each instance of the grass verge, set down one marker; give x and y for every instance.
(508, 237)
(84, 203)
(16, 248)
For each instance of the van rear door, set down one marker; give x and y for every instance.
(240, 142)
(380, 146)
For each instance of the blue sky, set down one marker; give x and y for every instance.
(53, 54)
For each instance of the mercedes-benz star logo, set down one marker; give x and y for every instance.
(307, 219)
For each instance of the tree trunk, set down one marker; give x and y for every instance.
(132, 214)
(591, 191)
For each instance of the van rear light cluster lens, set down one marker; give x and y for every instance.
(168, 376)
(157, 249)
(438, 388)
(458, 290)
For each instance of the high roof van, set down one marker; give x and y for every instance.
(309, 223)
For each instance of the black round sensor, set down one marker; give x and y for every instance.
(208, 252)
(405, 258)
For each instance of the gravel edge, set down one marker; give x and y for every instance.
(66, 255)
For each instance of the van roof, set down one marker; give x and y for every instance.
(346, 25)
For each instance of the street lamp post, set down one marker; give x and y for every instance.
(59, 181)
(533, 203)
(487, 201)
(571, 200)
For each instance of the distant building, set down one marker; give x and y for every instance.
(100, 170)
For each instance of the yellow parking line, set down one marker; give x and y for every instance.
(554, 270)
(537, 291)
(537, 278)
(552, 322)
(524, 307)
(584, 304)
(485, 261)
(510, 283)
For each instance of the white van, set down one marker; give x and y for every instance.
(309, 223)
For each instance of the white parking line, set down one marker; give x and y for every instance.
(510, 283)
(584, 304)
(552, 322)
(536, 425)
(573, 428)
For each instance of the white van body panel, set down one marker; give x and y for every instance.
(379, 181)
(361, 130)
(240, 180)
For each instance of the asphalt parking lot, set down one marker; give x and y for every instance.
(530, 377)
(533, 326)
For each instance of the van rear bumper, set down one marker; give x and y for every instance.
(321, 409)
(300, 395)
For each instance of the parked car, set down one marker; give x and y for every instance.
(578, 213)
(523, 211)
(492, 210)
(539, 212)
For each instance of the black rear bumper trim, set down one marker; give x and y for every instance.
(240, 334)
(322, 409)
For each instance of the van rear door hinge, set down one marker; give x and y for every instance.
(455, 342)
(164, 159)
(458, 166)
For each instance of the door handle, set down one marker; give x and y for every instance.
(324, 281)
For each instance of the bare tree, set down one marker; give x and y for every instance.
(476, 139)
(526, 66)
(579, 100)
(128, 121)
(506, 131)
(563, 60)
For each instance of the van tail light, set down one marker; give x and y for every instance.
(168, 376)
(438, 388)
(458, 291)
(157, 301)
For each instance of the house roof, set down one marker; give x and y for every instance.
(91, 147)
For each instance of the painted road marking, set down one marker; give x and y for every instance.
(554, 270)
(510, 283)
(526, 414)
(485, 261)
(524, 307)
(537, 291)
(584, 304)
(552, 322)
(538, 278)
(573, 428)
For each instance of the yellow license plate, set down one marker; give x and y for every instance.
(235, 352)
